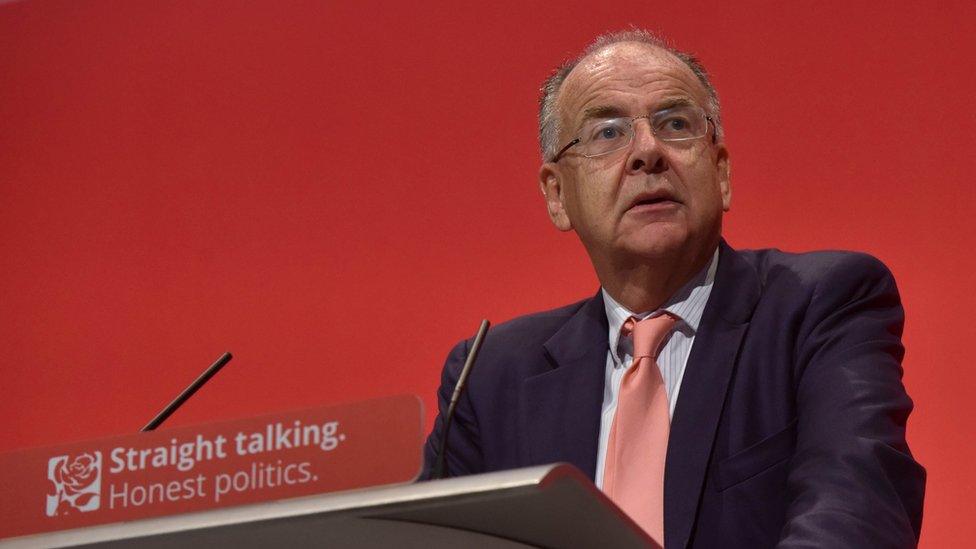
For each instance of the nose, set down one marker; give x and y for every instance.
(646, 154)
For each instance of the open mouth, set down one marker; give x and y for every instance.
(652, 201)
(658, 199)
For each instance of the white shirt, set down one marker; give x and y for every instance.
(687, 304)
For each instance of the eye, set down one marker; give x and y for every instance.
(677, 124)
(674, 123)
(608, 130)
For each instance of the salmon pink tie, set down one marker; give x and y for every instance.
(634, 469)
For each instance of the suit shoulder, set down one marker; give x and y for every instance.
(521, 334)
(816, 267)
(536, 327)
(514, 346)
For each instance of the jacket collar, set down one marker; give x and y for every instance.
(560, 407)
(703, 390)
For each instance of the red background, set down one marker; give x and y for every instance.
(336, 193)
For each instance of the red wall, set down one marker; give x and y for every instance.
(336, 194)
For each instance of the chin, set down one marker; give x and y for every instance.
(660, 242)
(658, 250)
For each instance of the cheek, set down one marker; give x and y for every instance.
(703, 185)
(593, 193)
(704, 203)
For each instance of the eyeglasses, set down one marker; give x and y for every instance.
(602, 136)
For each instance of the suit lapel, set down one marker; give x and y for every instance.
(560, 407)
(703, 388)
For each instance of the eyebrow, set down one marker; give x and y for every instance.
(673, 102)
(603, 111)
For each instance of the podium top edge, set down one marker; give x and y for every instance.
(363, 500)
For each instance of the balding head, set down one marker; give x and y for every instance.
(549, 119)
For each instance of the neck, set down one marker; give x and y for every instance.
(643, 286)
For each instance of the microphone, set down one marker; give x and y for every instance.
(458, 387)
(188, 392)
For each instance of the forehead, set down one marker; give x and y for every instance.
(629, 76)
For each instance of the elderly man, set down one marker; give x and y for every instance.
(722, 398)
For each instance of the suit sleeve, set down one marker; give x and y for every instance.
(463, 452)
(852, 481)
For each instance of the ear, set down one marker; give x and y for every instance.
(724, 169)
(551, 185)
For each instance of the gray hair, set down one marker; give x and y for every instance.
(548, 118)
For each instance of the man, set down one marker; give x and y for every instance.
(767, 408)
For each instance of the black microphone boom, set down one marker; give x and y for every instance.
(458, 387)
(188, 392)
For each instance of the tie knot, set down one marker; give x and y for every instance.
(648, 333)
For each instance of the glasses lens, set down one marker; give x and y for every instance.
(604, 136)
(679, 124)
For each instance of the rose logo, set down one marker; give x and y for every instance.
(76, 483)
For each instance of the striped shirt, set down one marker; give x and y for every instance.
(687, 304)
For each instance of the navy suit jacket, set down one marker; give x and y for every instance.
(789, 428)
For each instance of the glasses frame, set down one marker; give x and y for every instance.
(578, 140)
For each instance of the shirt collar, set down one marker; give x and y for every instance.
(688, 304)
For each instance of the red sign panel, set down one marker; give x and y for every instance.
(216, 465)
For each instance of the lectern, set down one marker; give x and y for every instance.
(547, 506)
